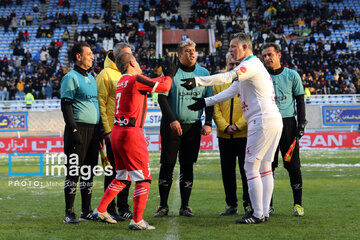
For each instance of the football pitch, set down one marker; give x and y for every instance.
(32, 207)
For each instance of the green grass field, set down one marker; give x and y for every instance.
(331, 198)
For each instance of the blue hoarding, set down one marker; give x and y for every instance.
(13, 121)
(341, 115)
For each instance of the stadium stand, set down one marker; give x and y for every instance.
(91, 7)
(53, 104)
(323, 46)
(321, 39)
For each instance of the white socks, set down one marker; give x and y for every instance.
(268, 185)
(261, 185)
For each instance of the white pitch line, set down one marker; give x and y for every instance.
(173, 229)
(330, 165)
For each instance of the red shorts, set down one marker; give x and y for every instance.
(130, 153)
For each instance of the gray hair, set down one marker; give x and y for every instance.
(244, 39)
(184, 43)
(119, 47)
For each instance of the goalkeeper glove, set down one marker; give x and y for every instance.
(189, 83)
(169, 69)
(301, 129)
(198, 105)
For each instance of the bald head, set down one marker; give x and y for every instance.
(126, 63)
(123, 61)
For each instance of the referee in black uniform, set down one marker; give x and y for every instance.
(79, 104)
(289, 97)
(181, 130)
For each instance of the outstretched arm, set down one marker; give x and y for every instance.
(220, 97)
(242, 72)
(160, 84)
(224, 95)
(216, 79)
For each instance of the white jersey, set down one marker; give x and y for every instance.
(255, 88)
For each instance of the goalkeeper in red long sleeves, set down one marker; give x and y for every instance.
(129, 146)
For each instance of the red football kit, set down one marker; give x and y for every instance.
(128, 142)
(127, 139)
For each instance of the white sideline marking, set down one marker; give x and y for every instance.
(173, 231)
(330, 165)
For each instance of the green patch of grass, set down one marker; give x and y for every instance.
(24, 164)
(330, 198)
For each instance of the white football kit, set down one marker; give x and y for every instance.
(256, 90)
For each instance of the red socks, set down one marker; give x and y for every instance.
(140, 198)
(112, 190)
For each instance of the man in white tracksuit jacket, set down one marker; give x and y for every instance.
(255, 87)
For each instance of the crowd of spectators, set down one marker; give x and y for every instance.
(27, 70)
(13, 21)
(323, 69)
(4, 3)
(142, 40)
(215, 9)
(42, 80)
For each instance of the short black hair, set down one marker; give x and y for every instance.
(78, 48)
(272, 44)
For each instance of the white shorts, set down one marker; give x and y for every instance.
(262, 143)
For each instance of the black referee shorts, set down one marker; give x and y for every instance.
(188, 144)
(88, 150)
(287, 137)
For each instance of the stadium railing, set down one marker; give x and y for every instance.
(51, 104)
(334, 99)
(48, 104)
(38, 105)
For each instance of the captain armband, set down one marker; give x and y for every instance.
(154, 88)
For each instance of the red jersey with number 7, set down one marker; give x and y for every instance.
(131, 99)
